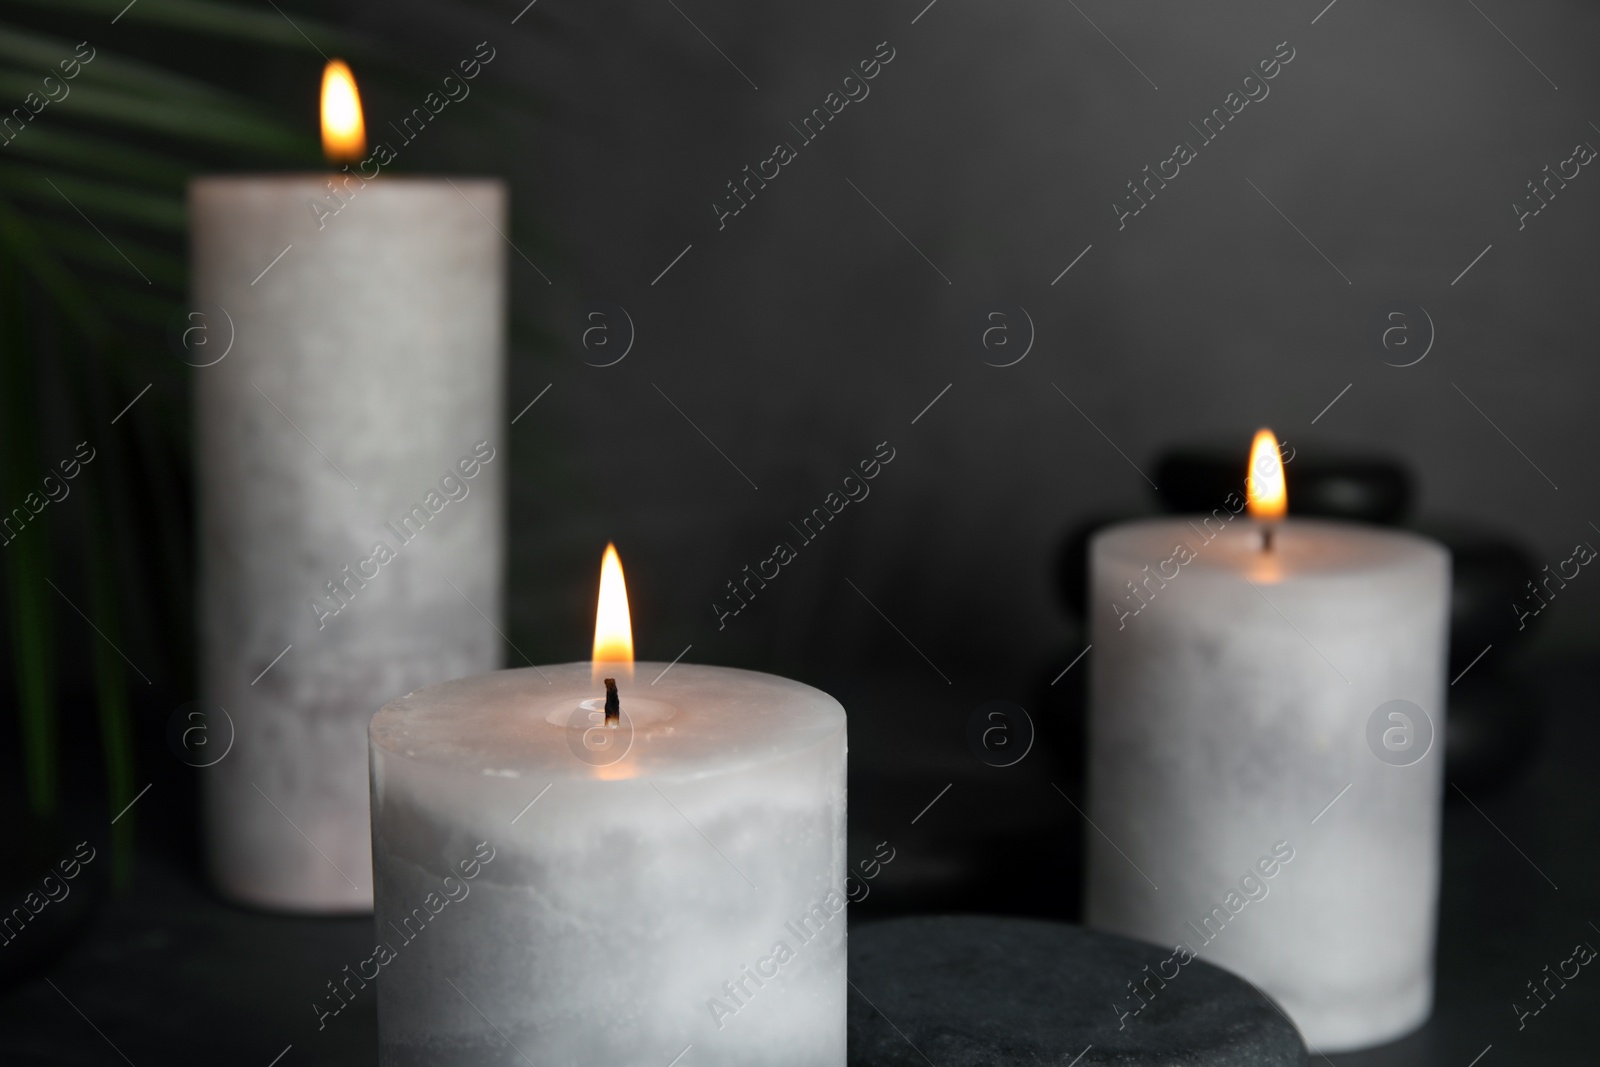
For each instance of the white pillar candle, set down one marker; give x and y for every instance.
(674, 882)
(363, 384)
(1233, 689)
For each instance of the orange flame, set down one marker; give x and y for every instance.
(613, 626)
(1264, 484)
(344, 133)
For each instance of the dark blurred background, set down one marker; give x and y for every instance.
(996, 142)
(854, 302)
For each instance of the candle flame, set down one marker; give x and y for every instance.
(613, 627)
(344, 133)
(1264, 484)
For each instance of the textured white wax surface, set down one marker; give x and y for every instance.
(366, 362)
(1226, 716)
(622, 900)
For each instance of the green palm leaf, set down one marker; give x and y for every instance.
(94, 224)
(223, 21)
(92, 270)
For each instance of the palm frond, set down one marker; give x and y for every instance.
(100, 155)
(92, 271)
(27, 547)
(94, 224)
(223, 21)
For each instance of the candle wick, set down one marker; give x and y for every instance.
(613, 704)
(1266, 538)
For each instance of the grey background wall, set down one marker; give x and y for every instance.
(853, 289)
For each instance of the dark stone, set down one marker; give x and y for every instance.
(1489, 576)
(1322, 482)
(976, 991)
(1197, 480)
(1492, 729)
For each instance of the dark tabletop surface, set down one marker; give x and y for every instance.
(164, 973)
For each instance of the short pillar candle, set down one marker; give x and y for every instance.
(1266, 747)
(642, 872)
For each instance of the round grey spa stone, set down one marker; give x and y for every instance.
(974, 991)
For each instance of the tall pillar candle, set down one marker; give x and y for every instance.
(351, 465)
(556, 892)
(1266, 748)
